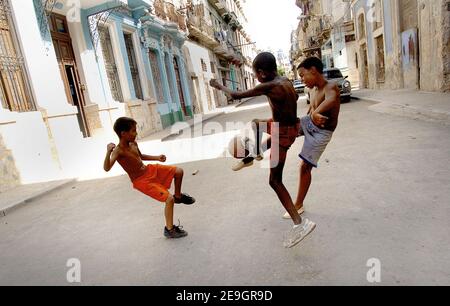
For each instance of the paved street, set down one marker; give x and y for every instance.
(382, 191)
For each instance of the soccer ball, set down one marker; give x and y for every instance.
(239, 147)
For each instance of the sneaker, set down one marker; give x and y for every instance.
(287, 216)
(296, 235)
(241, 165)
(185, 199)
(175, 233)
(259, 157)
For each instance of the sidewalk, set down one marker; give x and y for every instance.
(418, 105)
(24, 194)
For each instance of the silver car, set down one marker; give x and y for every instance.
(335, 75)
(344, 85)
(299, 86)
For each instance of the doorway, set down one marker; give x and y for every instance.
(365, 66)
(65, 56)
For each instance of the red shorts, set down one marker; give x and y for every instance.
(283, 136)
(156, 181)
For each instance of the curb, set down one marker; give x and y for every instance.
(243, 102)
(21, 203)
(408, 111)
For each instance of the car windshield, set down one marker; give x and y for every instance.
(332, 74)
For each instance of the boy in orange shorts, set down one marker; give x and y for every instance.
(152, 180)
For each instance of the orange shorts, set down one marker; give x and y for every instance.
(156, 182)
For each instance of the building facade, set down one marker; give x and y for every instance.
(218, 48)
(326, 30)
(403, 44)
(69, 69)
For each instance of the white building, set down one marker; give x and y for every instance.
(70, 69)
(218, 48)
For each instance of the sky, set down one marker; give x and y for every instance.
(271, 23)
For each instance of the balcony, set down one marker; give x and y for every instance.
(167, 12)
(219, 5)
(221, 49)
(325, 27)
(199, 27)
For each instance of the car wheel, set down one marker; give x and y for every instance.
(346, 99)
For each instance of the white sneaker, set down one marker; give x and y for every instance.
(241, 165)
(296, 235)
(287, 216)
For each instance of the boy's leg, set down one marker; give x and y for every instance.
(304, 183)
(179, 174)
(276, 182)
(171, 231)
(259, 128)
(170, 203)
(178, 196)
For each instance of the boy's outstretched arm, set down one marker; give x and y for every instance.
(260, 90)
(111, 157)
(160, 158)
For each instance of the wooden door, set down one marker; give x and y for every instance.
(65, 56)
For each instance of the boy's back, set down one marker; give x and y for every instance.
(283, 101)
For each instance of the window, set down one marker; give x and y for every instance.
(110, 64)
(204, 67)
(15, 93)
(361, 27)
(133, 65)
(156, 76)
(332, 74)
(60, 25)
(213, 69)
(378, 22)
(380, 59)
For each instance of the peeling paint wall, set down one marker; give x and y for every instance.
(9, 176)
(432, 20)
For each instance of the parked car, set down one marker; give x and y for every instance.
(335, 75)
(299, 86)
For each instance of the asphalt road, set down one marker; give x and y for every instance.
(381, 191)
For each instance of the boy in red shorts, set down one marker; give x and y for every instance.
(152, 180)
(284, 127)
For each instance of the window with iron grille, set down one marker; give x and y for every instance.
(15, 93)
(204, 67)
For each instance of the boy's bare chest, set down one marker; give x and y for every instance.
(131, 153)
(317, 98)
